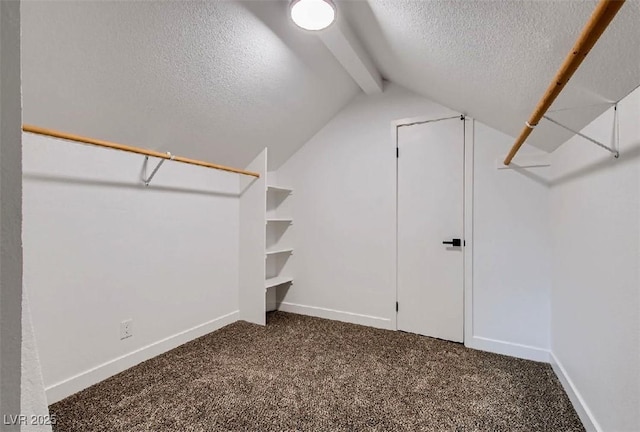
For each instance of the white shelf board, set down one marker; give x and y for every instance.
(280, 250)
(278, 280)
(279, 220)
(279, 189)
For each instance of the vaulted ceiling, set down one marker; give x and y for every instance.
(493, 60)
(212, 80)
(222, 80)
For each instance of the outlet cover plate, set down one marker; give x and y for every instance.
(126, 329)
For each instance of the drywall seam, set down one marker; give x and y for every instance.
(579, 404)
(332, 314)
(508, 348)
(92, 376)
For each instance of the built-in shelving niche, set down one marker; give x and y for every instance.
(279, 242)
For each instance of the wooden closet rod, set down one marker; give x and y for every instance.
(605, 11)
(131, 149)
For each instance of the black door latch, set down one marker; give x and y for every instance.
(453, 242)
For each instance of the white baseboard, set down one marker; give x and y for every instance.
(67, 387)
(585, 414)
(507, 348)
(349, 317)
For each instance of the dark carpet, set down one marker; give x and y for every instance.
(307, 374)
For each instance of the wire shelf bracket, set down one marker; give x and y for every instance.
(613, 151)
(146, 180)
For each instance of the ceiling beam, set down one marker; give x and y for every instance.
(348, 50)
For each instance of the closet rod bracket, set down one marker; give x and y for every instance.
(614, 152)
(155, 170)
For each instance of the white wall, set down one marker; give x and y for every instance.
(511, 249)
(595, 301)
(100, 248)
(10, 212)
(253, 208)
(344, 180)
(344, 218)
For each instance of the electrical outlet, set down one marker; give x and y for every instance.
(126, 329)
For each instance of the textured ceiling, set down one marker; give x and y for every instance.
(493, 60)
(211, 80)
(220, 80)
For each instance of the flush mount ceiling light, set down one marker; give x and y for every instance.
(312, 14)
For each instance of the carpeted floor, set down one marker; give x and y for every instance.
(307, 374)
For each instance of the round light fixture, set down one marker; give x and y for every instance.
(312, 14)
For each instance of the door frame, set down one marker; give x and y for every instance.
(467, 235)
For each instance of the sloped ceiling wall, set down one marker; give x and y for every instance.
(220, 80)
(493, 60)
(212, 80)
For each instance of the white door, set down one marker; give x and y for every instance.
(431, 212)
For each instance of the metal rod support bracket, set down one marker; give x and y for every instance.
(155, 170)
(614, 152)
